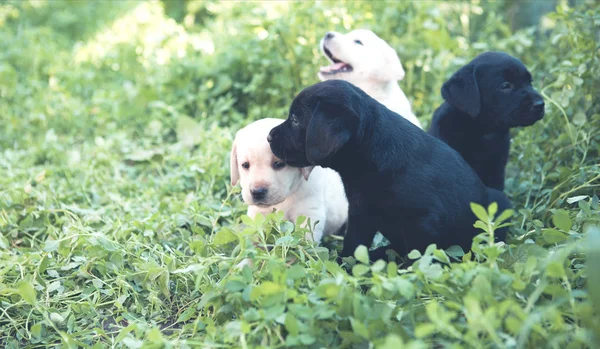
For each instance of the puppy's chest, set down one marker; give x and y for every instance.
(379, 190)
(490, 146)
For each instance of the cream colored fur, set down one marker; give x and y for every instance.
(316, 192)
(375, 68)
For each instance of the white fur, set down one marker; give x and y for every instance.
(376, 68)
(316, 192)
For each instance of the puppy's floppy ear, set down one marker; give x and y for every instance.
(327, 132)
(462, 91)
(234, 172)
(306, 171)
(391, 68)
(393, 64)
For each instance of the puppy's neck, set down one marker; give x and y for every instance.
(471, 126)
(382, 91)
(391, 95)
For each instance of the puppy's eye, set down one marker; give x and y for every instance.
(294, 120)
(278, 165)
(358, 42)
(246, 165)
(505, 86)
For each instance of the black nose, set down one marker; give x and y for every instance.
(329, 35)
(538, 105)
(269, 138)
(259, 193)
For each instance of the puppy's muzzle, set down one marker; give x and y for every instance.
(258, 194)
(538, 106)
(329, 35)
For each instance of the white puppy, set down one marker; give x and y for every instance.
(365, 60)
(268, 184)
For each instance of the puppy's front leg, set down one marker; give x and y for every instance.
(361, 231)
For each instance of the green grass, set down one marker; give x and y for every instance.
(119, 227)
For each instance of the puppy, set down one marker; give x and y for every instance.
(365, 60)
(483, 100)
(399, 180)
(268, 184)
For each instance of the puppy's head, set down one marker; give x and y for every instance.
(321, 120)
(495, 90)
(360, 57)
(265, 179)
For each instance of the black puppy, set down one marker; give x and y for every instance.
(483, 100)
(399, 180)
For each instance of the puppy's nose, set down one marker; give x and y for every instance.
(259, 193)
(269, 138)
(329, 35)
(538, 105)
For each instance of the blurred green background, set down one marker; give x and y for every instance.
(116, 121)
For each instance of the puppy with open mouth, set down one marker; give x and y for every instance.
(367, 61)
(399, 180)
(269, 184)
(483, 100)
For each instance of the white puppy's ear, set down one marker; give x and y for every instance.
(393, 64)
(234, 172)
(306, 171)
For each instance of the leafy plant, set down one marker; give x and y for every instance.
(119, 227)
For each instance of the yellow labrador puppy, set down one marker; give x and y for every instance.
(365, 60)
(268, 184)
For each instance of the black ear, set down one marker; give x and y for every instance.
(462, 91)
(327, 132)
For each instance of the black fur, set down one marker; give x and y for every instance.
(478, 112)
(399, 180)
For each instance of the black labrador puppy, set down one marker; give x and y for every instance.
(399, 180)
(483, 100)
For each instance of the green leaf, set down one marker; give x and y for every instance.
(407, 288)
(296, 272)
(481, 225)
(362, 254)
(224, 236)
(360, 270)
(577, 198)
(506, 214)
(27, 291)
(561, 220)
(391, 341)
(579, 118)
(359, 328)
(36, 330)
(291, 324)
(51, 245)
(555, 269)
(493, 209)
(414, 254)
(186, 314)
(285, 240)
(553, 236)
(479, 212)
(392, 269)
(424, 330)
(4, 242)
(57, 318)
(378, 266)
(593, 261)
(235, 286)
(265, 289)
(455, 251)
